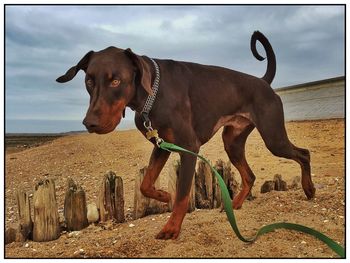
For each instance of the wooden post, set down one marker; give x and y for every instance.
(276, 184)
(172, 182)
(267, 186)
(204, 186)
(208, 180)
(75, 212)
(24, 215)
(46, 220)
(192, 199)
(140, 201)
(111, 198)
(217, 200)
(119, 200)
(228, 176)
(172, 185)
(280, 185)
(11, 234)
(219, 166)
(144, 206)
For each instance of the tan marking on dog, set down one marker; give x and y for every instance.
(239, 121)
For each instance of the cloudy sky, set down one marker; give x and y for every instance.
(42, 42)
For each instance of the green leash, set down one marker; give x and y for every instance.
(265, 229)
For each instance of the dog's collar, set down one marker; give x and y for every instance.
(151, 98)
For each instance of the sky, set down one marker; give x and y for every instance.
(42, 42)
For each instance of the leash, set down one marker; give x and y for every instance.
(153, 134)
(263, 230)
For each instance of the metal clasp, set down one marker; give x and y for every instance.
(152, 133)
(148, 125)
(158, 141)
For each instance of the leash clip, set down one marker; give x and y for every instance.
(148, 125)
(152, 133)
(146, 121)
(159, 141)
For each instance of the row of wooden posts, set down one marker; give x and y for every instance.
(205, 194)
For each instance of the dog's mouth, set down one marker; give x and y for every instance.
(102, 130)
(106, 128)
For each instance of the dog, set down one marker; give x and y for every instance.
(193, 102)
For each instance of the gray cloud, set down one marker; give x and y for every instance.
(42, 42)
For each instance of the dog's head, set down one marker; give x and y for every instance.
(112, 76)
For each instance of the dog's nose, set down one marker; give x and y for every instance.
(90, 123)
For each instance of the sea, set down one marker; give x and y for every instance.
(54, 126)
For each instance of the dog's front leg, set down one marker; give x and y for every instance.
(156, 164)
(172, 228)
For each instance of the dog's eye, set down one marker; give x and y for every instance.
(115, 83)
(89, 83)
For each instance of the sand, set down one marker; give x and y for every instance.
(205, 233)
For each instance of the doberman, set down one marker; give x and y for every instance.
(193, 102)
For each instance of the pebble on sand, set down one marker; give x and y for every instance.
(92, 213)
(80, 251)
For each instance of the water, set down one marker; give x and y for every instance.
(53, 126)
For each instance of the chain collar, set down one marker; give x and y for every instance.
(151, 133)
(151, 98)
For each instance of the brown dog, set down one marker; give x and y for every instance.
(193, 102)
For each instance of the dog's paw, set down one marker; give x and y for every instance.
(310, 192)
(168, 233)
(237, 203)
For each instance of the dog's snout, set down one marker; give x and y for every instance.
(91, 123)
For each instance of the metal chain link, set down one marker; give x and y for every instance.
(150, 99)
(152, 133)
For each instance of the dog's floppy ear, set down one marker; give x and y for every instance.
(82, 64)
(143, 68)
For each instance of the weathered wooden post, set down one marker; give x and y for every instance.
(204, 186)
(46, 220)
(75, 211)
(192, 199)
(227, 175)
(111, 198)
(208, 192)
(119, 200)
(217, 200)
(268, 186)
(24, 215)
(280, 185)
(172, 184)
(144, 206)
(276, 184)
(140, 201)
(13, 234)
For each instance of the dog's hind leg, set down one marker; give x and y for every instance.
(156, 164)
(270, 123)
(234, 138)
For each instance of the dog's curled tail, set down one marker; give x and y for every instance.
(271, 59)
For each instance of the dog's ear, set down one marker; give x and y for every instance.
(82, 64)
(143, 69)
